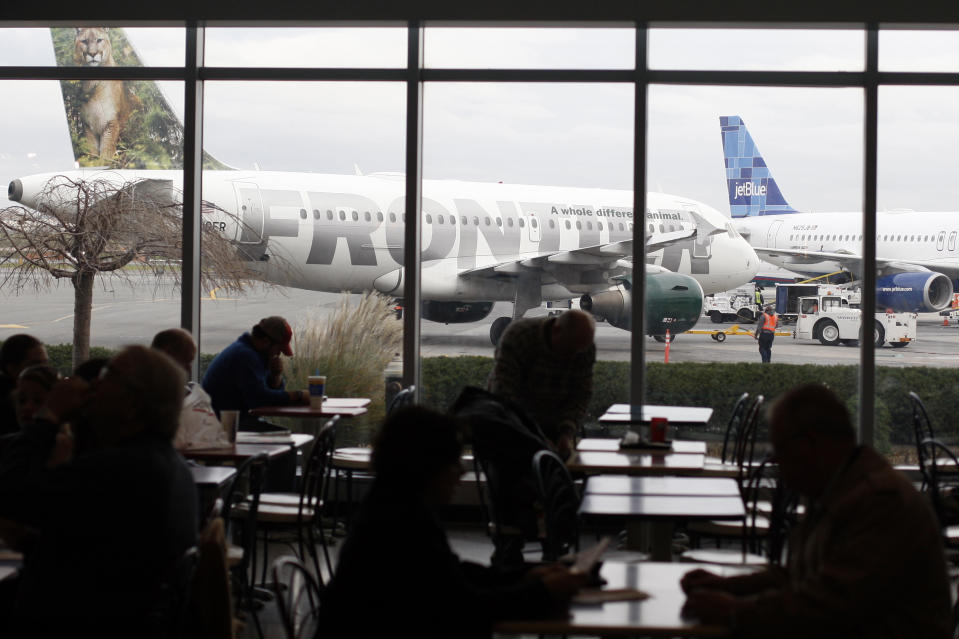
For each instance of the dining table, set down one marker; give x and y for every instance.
(614, 445)
(249, 445)
(643, 414)
(331, 406)
(589, 462)
(650, 605)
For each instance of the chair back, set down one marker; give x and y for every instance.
(403, 398)
(557, 493)
(211, 603)
(921, 428)
(745, 448)
(733, 427)
(316, 472)
(241, 524)
(939, 474)
(297, 597)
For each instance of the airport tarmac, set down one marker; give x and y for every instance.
(131, 314)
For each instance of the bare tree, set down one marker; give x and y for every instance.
(81, 229)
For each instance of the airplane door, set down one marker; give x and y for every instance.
(250, 207)
(772, 233)
(535, 232)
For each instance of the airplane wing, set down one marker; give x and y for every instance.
(852, 261)
(607, 257)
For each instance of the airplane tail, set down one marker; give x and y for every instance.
(120, 124)
(752, 188)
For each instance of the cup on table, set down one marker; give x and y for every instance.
(658, 427)
(229, 419)
(317, 386)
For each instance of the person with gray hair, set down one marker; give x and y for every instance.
(866, 561)
(110, 522)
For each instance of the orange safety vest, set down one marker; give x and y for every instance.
(769, 324)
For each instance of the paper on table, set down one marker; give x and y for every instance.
(595, 596)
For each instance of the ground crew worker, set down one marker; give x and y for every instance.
(759, 297)
(765, 332)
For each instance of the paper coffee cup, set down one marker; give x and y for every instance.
(317, 386)
(229, 419)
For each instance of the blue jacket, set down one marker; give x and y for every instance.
(237, 379)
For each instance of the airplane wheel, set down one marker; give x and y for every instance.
(496, 329)
(828, 333)
(720, 337)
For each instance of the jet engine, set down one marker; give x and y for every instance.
(673, 301)
(913, 292)
(455, 312)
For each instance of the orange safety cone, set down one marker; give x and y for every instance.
(945, 320)
(667, 347)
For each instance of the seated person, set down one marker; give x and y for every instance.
(545, 366)
(249, 372)
(110, 522)
(33, 384)
(18, 352)
(396, 570)
(867, 560)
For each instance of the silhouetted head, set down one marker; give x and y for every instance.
(417, 451)
(33, 384)
(811, 435)
(19, 351)
(178, 344)
(573, 333)
(272, 336)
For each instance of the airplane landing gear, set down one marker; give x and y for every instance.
(496, 329)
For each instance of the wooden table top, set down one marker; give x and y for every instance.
(358, 458)
(212, 476)
(240, 452)
(611, 445)
(677, 486)
(342, 406)
(678, 415)
(658, 616)
(633, 463)
(671, 507)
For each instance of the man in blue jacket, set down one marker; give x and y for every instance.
(249, 372)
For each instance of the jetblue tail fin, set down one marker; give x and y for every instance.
(752, 189)
(121, 124)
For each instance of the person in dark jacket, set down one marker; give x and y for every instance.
(107, 526)
(396, 571)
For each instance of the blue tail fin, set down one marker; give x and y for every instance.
(752, 189)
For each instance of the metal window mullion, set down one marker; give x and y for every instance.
(411, 239)
(867, 353)
(192, 187)
(637, 340)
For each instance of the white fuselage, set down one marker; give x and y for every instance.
(927, 237)
(342, 232)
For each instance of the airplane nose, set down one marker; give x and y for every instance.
(15, 191)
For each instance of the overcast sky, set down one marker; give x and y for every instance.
(576, 135)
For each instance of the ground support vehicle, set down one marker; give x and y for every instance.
(833, 324)
(735, 305)
(719, 335)
(788, 306)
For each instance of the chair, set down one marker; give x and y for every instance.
(557, 493)
(403, 398)
(297, 597)
(733, 425)
(940, 476)
(239, 511)
(922, 430)
(211, 604)
(301, 511)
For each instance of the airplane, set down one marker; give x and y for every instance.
(917, 256)
(482, 242)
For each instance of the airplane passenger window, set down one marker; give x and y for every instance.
(522, 223)
(533, 223)
(475, 221)
(452, 220)
(952, 241)
(403, 217)
(499, 221)
(568, 224)
(329, 214)
(579, 224)
(379, 216)
(302, 214)
(464, 221)
(599, 225)
(620, 226)
(487, 220)
(662, 228)
(509, 222)
(392, 217)
(429, 218)
(356, 216)
(552, 224)
(342, 215)
(316, 214)
(367, 216)
(630, 226)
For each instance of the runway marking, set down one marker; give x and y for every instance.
(13, 326)
(218, 299)
(94, 308)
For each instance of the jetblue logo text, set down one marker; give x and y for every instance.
(749, 189)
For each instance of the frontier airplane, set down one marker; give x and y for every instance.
(482, 242)
(917, 255)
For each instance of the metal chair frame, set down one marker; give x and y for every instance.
(297, 597)
(560, 501)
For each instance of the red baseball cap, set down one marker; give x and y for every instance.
(278, 330)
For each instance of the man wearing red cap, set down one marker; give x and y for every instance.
(249, 373)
